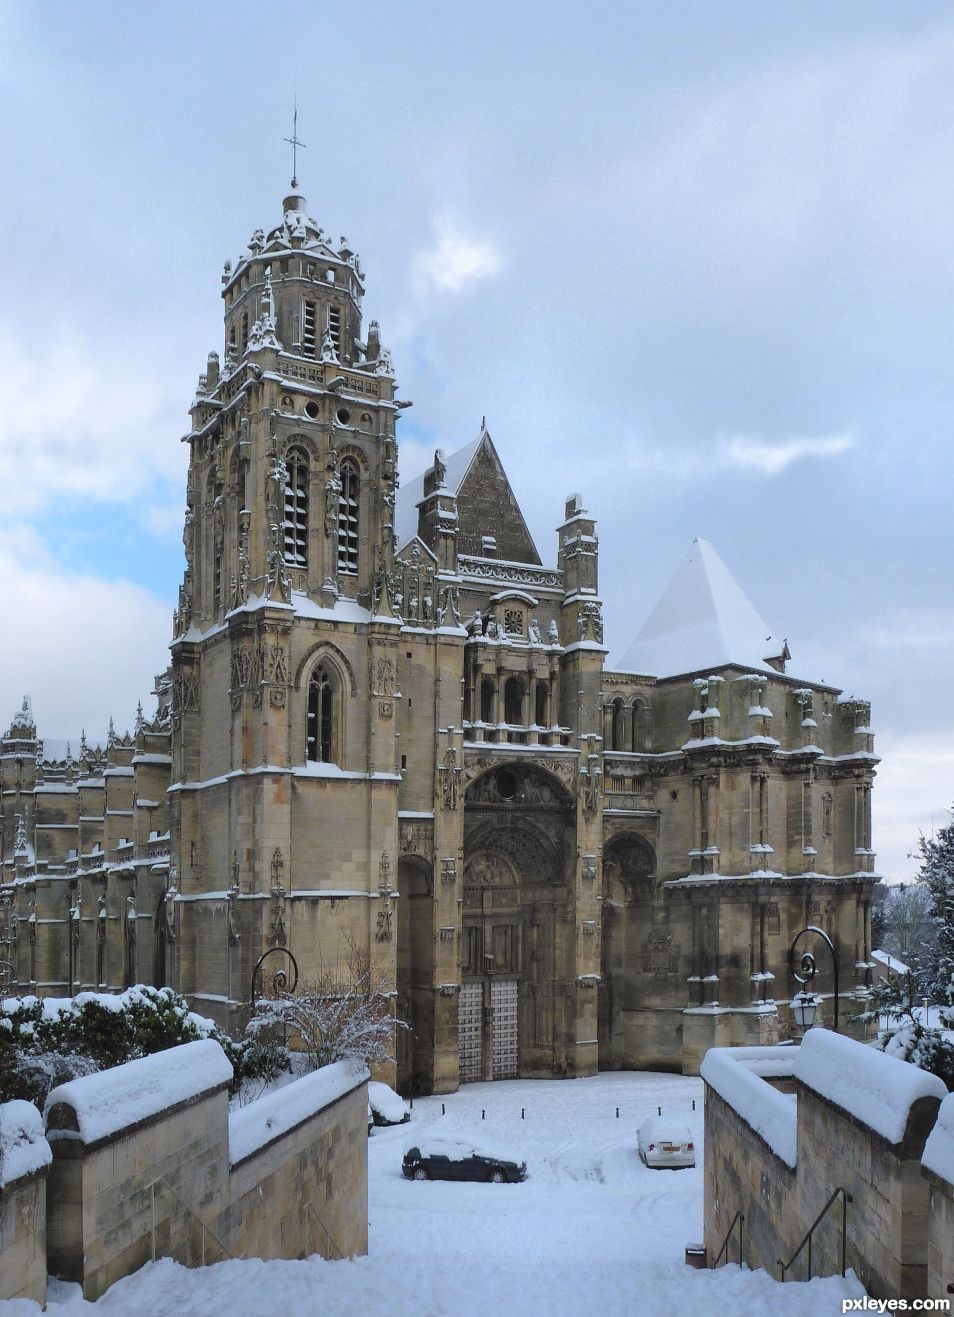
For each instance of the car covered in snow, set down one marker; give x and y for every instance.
(451, 1159)
(385, 1107)
(665, 1141)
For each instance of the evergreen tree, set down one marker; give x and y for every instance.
(894, 1003)
(937, 875)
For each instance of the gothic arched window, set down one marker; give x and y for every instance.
(513, 701)
(319, 748)
(348, 517)
(542, 701)
(296, 508)
(642, 726)
(487, 693)
(619, 725)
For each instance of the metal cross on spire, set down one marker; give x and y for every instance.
(295, 143)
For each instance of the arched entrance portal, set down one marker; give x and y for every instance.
(517, 947)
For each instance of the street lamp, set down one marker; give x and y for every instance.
(804, 1005)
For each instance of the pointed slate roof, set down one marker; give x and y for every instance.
(486, 504)
(702, 620)
(409, 495)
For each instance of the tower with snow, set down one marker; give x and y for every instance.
(389, 733)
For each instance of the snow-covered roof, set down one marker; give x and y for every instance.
(702, 620)
(409, 495)
(890, 962)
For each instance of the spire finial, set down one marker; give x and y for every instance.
(294, 142)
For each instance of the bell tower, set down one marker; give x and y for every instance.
(283, 613)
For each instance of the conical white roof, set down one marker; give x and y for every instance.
(702, 621)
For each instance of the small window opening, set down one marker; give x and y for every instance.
(308, 323)
(296, 509)
(334, 325)
(348, 518)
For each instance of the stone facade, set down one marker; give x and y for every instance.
(387, 726)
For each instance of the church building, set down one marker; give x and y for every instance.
(389, 730)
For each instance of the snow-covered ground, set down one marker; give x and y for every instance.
(592, 1231)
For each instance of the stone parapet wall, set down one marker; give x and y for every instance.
(306, 1191)
(887, 1217)
(746, 1176)
(135, 1179)
(24, 1164)
(940, 1250)
(167, 1171)
(864, 1134)
(938, 1169)
(23, 1238)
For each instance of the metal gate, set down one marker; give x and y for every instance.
(470, 1010)
(503, 1052)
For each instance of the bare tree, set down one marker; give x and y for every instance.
(909, 932)
(337, 1017)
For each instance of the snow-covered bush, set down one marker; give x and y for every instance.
(48, 1041)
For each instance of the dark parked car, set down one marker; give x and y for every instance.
(447, 1159)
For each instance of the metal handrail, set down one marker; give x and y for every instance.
(845, 1200)
(205, 1229)
(740, 1217)
(309, 1208)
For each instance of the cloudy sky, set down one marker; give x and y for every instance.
(694, 260)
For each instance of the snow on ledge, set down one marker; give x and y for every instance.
(736, 1074)
(876, 1089)
(23, 1146)
(111, 1101)
(254, 1127)
(939, 1150)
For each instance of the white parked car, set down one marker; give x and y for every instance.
(385, 1107)
(664, 1141)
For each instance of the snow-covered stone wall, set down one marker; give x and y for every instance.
(938, 1168)
(24, 1160)
(299, 1176)
(144, 1142)
(147, 1161)
(860, 1120)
